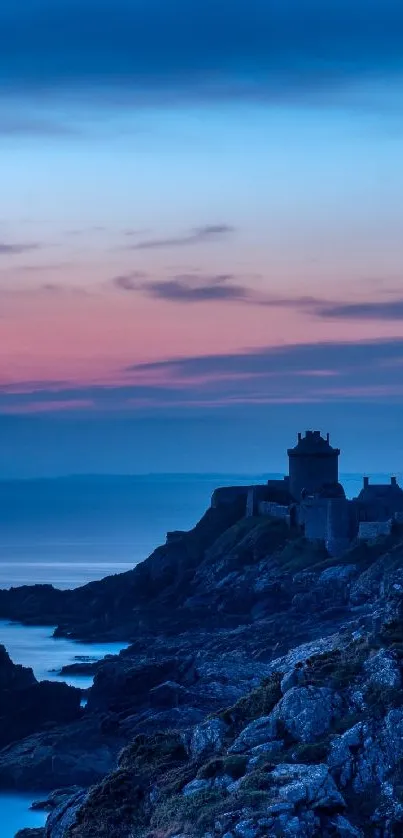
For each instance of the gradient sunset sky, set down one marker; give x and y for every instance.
(201, 233)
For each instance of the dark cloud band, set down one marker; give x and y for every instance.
(367, 371)
(249, 45)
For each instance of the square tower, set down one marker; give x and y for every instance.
(313, 463)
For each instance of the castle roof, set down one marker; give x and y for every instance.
(380, 491)
(313, 443)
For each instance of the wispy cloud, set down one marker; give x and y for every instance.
(36, 269)
(14, 249)
(199, 288)
(325, 372)
(371, 310)
(187, 288)
(133, 281)
(194, 288)
(210, 232)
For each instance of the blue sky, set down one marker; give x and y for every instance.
(200, 232)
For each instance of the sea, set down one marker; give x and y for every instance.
(72, 530)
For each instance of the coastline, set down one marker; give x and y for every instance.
(224, 624)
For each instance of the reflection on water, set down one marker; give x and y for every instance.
(35, 647)
(16, 814)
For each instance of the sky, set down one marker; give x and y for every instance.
(201, 214)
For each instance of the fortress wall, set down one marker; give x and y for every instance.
(339, 518)
(250, 502)
(338, 525)
(273, 510)
(256, 495)
(314, 516)
(369, 530)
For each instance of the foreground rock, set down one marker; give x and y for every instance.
(76, 754)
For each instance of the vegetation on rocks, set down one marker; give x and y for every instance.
(260, 702)
(261, 695)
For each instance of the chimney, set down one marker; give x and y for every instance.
(299, 437)
(328, 438)
(393, 481)
(366, 482)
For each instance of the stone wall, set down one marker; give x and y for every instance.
(339, 525)
(369, 530)
(313, 517)
(273, 510)
(256, 495)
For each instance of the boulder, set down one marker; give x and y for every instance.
(382, 670)
(256, 733)
(267, 750)
(344, 829)
(306, 712)
(64, 816)
(367, 754)
(293, 678)
(343, 748)
(306, 785)
(196, 786)
(300, 654)
(246, 829)
(206, 738)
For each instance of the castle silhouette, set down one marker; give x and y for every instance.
(312, 500)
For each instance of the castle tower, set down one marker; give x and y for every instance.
(313, 463)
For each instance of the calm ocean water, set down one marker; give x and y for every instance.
(70, 531)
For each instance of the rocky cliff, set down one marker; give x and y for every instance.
(261, 695)
(27, 705)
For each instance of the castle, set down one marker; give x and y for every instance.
(312, 500)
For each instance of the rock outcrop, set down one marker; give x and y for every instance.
(27, 705)
(261, 694)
